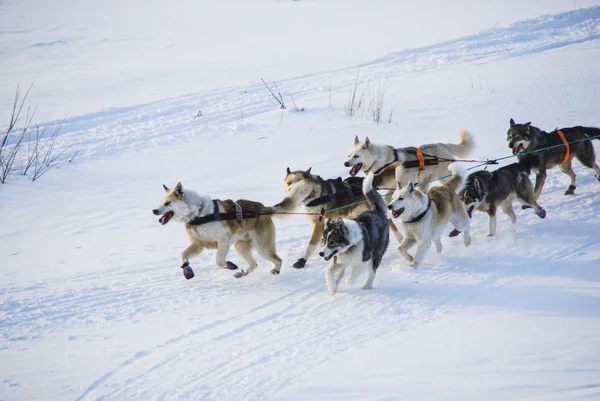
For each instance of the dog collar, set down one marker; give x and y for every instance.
(419, 217)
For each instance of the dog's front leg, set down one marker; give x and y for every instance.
(422, 249)
(540, 178)
(318, 228)
(332, 284)
(403, 248)
(194, 249)
(395, 230)
(222, 249)
(491, 221)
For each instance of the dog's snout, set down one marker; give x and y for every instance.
(347, 164)
(321, 254)
(156, 211)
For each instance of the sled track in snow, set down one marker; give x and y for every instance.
(167, 120)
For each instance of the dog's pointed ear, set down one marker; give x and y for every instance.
(179, 189)
(288, 171)
(367, 143)
(411, 186)
(356, 141)
(476, 184)
(527, 123)
(165, 187)
(512, 122)
(308, 171)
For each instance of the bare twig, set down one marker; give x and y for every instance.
(199, 114)
(277, 96)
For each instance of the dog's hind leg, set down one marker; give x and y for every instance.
(244, 249)
(354, 273)
(317, 233)
(462, 223)
(540, 178)
(491, 221)
(266, 247)
(525, 195)
(194, 249)
(587, 157)
(371, 276)
(438, 245)
(567, 168)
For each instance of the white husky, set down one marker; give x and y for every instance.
(371, 157)
(424, 216)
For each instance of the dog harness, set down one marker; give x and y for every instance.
(568, 152)
(238, 215)
(420, 216)
(337, 190)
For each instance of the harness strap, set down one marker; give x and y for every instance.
(421, 160)
(216, 210)
(568, 152)
(389, 164)
(420, 216)
(239, 214)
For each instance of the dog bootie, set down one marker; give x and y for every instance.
(188, 273)
(454, 233)
(299, 264)
(524, 207)
(275, 272)
(571, 190)
(541, 214)
(240, 274)
(231, 266)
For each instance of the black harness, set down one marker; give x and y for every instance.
(337, 190)
(420, 216)
(238, 215)
(429, 160)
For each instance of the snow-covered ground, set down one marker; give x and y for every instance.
(92, 301)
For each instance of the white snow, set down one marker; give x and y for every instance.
(93, 304)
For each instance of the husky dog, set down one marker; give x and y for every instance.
(424, 216)
(186, 206)
(358, 244)
(314, 193)
(527, 138)
(486, 191)
(368, 156)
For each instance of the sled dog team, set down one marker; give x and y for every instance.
(355, 232)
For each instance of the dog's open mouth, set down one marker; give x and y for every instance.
(397, 212)
(355, 169)
(330, 256)
(518, 149)
(470, 211)
(164, 219)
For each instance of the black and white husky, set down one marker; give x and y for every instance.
(358, 243)
(486, 191)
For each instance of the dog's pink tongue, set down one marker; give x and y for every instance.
(355, 169)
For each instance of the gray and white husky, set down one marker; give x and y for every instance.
(371, 157)
(525, 138)
(359, 243)
(424, 216)
(486, 191)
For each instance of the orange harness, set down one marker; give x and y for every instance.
(421, 160)
(567, 154)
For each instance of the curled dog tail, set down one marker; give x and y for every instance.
(373, 196)
(592, 133)
(457, 177)
(465, 147)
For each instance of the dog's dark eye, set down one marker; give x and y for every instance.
(400, 199)
(331, 243)
(167, 203)
(289, 183)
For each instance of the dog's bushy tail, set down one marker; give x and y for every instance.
(373, 196)
(456, 181)
(466, 145)
(592, 133)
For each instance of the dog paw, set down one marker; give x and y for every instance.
(231, 266)
(490, 235)
(467, 241)
(275, 272)
(350, 281)
(188, 273)
(367, 287)
(524, 207)
(240, 274)
(570, 190)
(414, 265)
(332, 292)
(454, 233)
(300, 263)
(541, 214)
